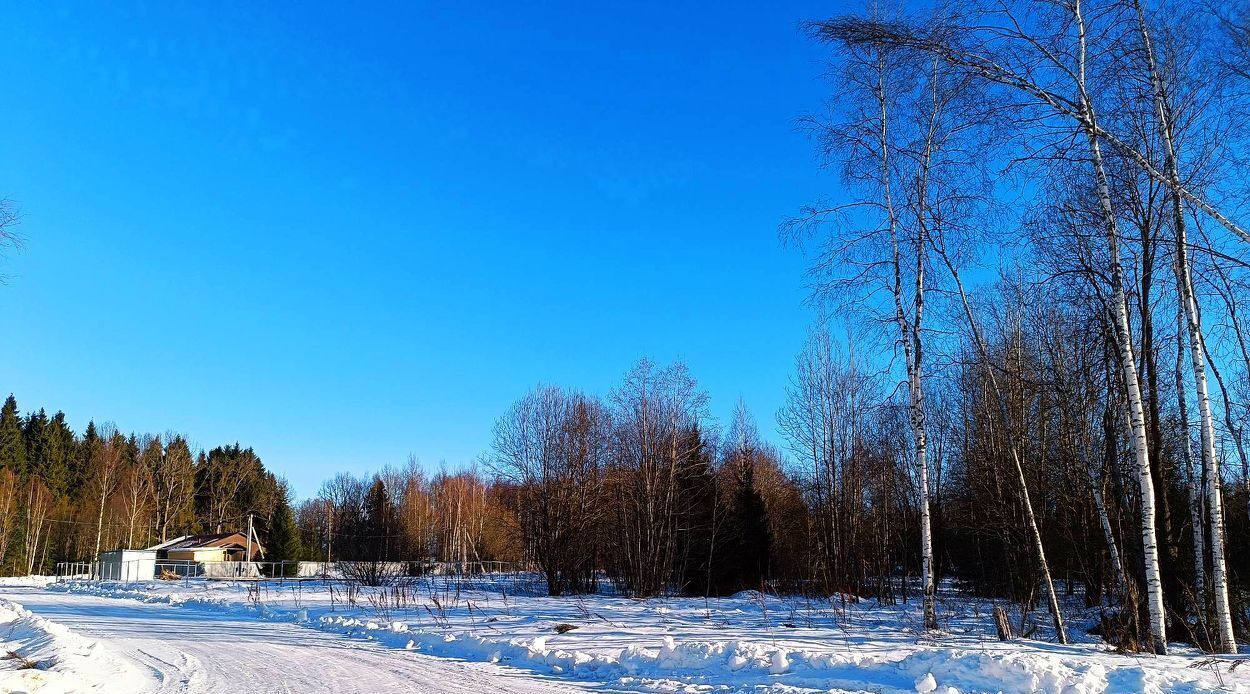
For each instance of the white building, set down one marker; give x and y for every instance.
(127, 565)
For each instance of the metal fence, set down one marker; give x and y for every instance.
(464, 574)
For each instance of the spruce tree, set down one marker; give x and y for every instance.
(754, 540)
(35, 432)
(377, 522)
(284, 540)
(699, 541)
(12, 439)
(59, 455)
(81, 461)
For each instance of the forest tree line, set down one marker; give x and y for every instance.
(66, 496)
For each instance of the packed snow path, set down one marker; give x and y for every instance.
(202, 652)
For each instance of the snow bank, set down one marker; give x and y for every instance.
(747, 642)
(745, 665)
(27, 581)
(45, 657)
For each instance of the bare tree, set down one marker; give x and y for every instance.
(1013, 58)
(882, 237)
(137, 488)
(174, 485)
(9, 491)
(1167, 127)
(653, 411)
(554, 448)
(38, 504)
(9, 238)
(107, 460)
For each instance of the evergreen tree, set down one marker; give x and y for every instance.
(12, 439)
(284, 540)
(698, 489)
(377, 522)
(60, 448)
(743, 541)
(752, 538)
(34, 433)
(82, 459)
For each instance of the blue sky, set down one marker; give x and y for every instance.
(343, 234)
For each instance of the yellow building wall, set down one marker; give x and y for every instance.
(197, 554)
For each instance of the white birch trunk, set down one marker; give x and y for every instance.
(922, 466)
(1225, 642)
(1219, 583)
(1193, 486)
(1128, 363)
(910, 336)
(99, 528)
(1137, 420)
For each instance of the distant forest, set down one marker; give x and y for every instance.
(66, 496)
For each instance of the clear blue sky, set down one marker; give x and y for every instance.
(342, 234)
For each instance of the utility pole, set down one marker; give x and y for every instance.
(249, 537)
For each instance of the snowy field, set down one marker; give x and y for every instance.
(502, 636)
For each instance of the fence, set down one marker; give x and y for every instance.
(367, 573)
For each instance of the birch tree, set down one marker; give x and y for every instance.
(174, 482)
(1065, 57)
(38, 504)
(108, 459)
(652, 411)
(1225, 642)
(878, 244)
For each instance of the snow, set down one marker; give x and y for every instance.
(46, 657)
(180, 650)
(748, 642)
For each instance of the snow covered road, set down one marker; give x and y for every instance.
(182, 650)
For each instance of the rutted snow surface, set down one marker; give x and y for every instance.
(170, 649)
(42, 656)
(492, 639)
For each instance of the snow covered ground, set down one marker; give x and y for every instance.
(90, 643)
(748, 642)
(40, 655)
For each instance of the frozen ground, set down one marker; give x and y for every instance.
(435, 636)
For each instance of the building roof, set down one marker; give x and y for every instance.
(212, 541)
(167, 543)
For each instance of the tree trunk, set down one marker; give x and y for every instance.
(910, 337)
(1193, 479)
(1128, 363)
(1219, 584)
(1104, 520)
(1034, 532)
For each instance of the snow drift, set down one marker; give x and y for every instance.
(45, 657)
